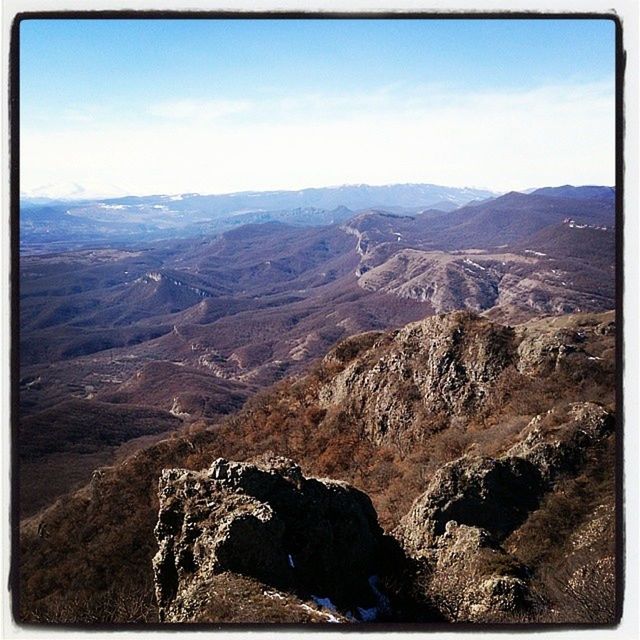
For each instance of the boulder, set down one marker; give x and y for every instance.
(315, 538)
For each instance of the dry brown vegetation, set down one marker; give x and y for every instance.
(98, 543)
(569, 543)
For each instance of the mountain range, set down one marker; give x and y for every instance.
(194, 327)
(374, 335)
(79, 219)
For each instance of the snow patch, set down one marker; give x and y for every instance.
(474, 264)
(328, 616)
(368, 615)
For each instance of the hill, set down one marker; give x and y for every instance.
(398, 415)
(139, 218)
(195, 327)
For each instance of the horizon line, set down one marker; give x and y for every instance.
(125, 194)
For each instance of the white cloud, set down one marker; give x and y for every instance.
(501, 140)
(198, 109)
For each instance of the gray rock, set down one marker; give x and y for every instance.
(493, 494)
(440, 364)
(473, 579)
(267, 522)
(556, 443)
(455, 527)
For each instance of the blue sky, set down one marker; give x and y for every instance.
(220, 105)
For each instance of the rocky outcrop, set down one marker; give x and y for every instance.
(402, 386)
(471, 577)
(446, 281)
(318, 541)
(557, 442)
(493, 494)
(316, 546)
(315, 538)
(538, 356)
(551, 345)
(442, 364)
(456, 527)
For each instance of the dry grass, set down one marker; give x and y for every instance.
(102, 537)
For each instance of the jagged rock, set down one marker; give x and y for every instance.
(473, 578)
(493, 494)
(475, 502)
(556, 443)
(443, 363)
(496, 494)
(453, 532)
(542, 354)
(269, 522)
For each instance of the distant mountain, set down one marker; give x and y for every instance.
(514, 216)
(134, 218)
(588, 192)
(357, 196)
(69, 191)
(510, 218)
(271, 292)
(445, 205)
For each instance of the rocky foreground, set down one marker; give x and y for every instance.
(320, 539)
(473, 480)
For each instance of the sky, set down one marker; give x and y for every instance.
(217, 106)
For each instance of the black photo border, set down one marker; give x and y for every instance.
(14, 150)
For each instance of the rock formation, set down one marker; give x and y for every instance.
(456, 527)
(397, 384)
(317, 538)
(445, 363)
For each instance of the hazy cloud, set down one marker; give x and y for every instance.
(500, 140)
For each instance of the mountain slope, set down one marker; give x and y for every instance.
(347, 419)
(581, 193)
(223, 315)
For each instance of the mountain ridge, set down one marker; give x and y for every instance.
(544, 412)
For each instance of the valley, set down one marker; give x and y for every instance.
(371, 345)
